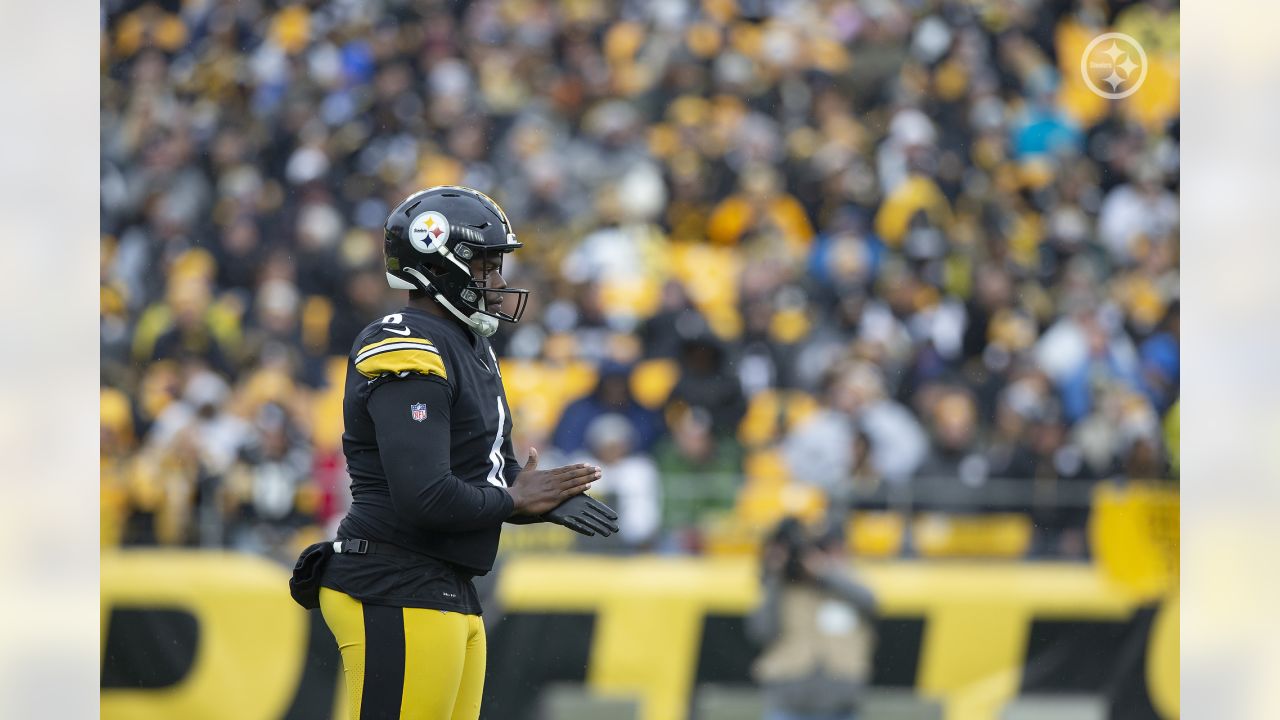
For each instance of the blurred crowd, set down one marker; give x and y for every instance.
(844, 245)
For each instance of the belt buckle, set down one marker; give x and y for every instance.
(358, 547)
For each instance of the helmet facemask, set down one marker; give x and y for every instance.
(476, 296)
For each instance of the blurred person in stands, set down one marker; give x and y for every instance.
(116, 442)
(629, 480)
(992, 293)
(319, 227)
(626, 248)
(706, 382)
(365, 296)
(821, 450)
(1084, 348)
(1160, 360)
(955, 453)
(593, 329)
(1012, 450)
(1140, 208)
(612, 395)
(205, 417)
(816, 625)
(266, 495)
(201, 436)
(762, 205)
(191, 331)
(701, 474)
(844, 261)
(273, 329)
(897, 442)
(239, 253)
(676, 318)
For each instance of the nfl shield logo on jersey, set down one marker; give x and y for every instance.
(418, 411)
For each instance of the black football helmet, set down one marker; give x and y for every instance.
(430, 240)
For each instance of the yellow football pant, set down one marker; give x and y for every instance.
(407, 663)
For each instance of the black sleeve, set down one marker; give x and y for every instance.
(415, 459)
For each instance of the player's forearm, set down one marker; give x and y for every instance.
(447, 504)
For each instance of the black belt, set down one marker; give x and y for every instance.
(350, 546)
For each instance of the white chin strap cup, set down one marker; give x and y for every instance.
(484, 325)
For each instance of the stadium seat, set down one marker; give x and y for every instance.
(728, 537)
(711, 276)
(1001, 535)
(326, 410)
(538, 392)
(728, 702)
(652, 381)
(771, 413)
(746, 702)
(567, 701)
(1133, 533)
(766, 467)
(637, 297)
(768, 496)
(1055, 707)
(875, 534)
(887, 704)
(762, 505)
(317, 312)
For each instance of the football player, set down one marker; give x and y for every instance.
(433, 473)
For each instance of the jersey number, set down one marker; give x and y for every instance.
(495, 455)
(395, 319)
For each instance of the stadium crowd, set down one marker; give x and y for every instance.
(847, 245)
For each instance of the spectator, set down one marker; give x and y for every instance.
(821, 451)
(955, 454)
(268, 488)
(706, 382)
(203, 420)
(629, 480)
(1160, 361)
(762, 206)
(1082, 349)
(700, 473)
(1133, 210)
(815, 625)
(676, 318)
(897, 442)
(612, 395)
(192, 335)
(364, 300)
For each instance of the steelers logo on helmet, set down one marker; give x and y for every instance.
(429, 231)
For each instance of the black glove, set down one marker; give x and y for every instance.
(584, 515)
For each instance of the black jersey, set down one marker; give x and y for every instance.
(425, 395)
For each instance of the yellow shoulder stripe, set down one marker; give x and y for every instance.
(426, 362)
(393, 340)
